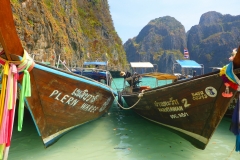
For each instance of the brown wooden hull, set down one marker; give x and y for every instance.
(61, 101)
(192, 107)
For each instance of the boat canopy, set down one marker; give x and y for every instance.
(141, 65)
(188, 64)
(160, 76)
(95, 63)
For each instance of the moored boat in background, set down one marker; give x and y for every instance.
(97, 73)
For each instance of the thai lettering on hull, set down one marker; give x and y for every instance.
(199, 95)
(89, 107)
(176, 105)
(80, 95)
(84, 95)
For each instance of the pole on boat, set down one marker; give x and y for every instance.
(8, 34)
(58, 61)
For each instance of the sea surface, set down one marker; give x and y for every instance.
(121, 135)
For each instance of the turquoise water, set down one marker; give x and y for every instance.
(121, 135)
(146, 81)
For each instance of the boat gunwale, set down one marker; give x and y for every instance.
(174, 84)
(40, 66)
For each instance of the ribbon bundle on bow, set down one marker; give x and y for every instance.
(8, 97)
(230, 79)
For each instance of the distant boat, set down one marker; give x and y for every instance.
(101, 75)
(58, 100)
(188, 68)
(192, 107)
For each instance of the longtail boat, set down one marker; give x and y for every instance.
(99, 74)
(58, 100)
(193, 107)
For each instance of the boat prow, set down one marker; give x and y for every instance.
(58, 100)
(192, 108)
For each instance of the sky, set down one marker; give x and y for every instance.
(130, 16)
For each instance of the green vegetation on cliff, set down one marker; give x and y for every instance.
(70, 29)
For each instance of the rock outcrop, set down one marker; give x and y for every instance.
(163, 40)
(74, 30)
(160, 41)
(211, 41)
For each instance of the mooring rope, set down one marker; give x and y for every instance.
(140, 95)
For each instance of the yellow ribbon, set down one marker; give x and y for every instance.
(7, 83)
(3, 91)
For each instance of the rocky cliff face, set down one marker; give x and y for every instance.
(209, 43)
(74, 30)
(160, 41)
(213, 39)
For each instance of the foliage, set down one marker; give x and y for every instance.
(176, 53)
(208, 57)
(30, 22)
(69, 28)
(49, 3)
(14, 1)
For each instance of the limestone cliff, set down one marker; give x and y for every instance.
(160, 41)
(211, 41)
(74, 30)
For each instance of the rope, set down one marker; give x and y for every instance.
(140, 95)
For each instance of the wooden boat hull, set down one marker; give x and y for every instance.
(193, 107)
(61, 101)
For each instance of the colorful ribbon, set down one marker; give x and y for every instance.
(229, 77)
(8, 97)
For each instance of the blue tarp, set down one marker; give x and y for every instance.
(95, 63)
(188, 64)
